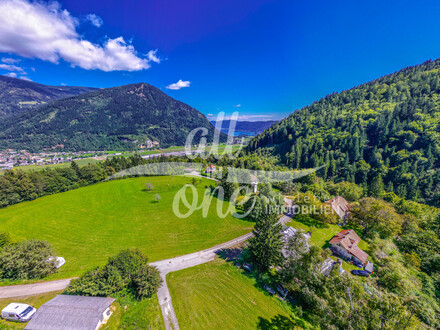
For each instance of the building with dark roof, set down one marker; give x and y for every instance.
(346, 243)
(65, 312)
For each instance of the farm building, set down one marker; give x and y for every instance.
(340, 206)
(72, 313)
(346, 243)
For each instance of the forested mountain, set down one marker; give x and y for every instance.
(18, 95)
(383, 135)
(118, 118)
(246, 127)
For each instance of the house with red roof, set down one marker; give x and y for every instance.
(346, 243)
(210, 169)
(340, 206)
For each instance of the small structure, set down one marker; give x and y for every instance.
(72, 312)
(346, 243)
(210, 169)
(340, 206)
(254, 183)
(369, 267)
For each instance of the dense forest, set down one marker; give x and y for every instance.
(384, 135)
(119, 118)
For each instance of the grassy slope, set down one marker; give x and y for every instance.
(89, 224)
(217, 295)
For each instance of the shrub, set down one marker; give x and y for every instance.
(26, 260)
(127, 270)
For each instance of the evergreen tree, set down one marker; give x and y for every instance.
(265, 247)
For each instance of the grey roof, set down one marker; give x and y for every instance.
(65, 312)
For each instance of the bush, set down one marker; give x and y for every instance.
(26, 260)
(127, 270)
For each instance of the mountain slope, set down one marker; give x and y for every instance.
(113, 118)
(384, 134)
(18, 96)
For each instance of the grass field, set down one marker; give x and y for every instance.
(217, 295)
(89, 224)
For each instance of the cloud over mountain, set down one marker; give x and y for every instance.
(178, 85)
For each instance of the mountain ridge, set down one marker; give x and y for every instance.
(18, 95)
(117, 118)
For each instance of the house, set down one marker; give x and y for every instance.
(254, 183)
(340, 206)
(210, 169)
(346, 243)
(288, 232)
(72, 312)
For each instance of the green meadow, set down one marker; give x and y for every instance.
(217, 295)
(90, 224)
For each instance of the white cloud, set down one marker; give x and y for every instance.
(95, 20)
(151, 55)
(210, 115)
(10, 60)
(237, 106)
(178, 85)
(10, 67)
(47, 32)
(24, 78)
(11, 74)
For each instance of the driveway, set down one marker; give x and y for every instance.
(32, 289)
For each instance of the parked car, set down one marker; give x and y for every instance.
(282, 290)
(360, 273)
(18, 312)
(247, 267)
(269, 289)
(358, 264)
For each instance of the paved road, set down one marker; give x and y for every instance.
(31, 289)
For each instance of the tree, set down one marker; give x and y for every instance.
(375, 216)
(265, 247)
(127, 270)
(157, 198)
(149, 186)
(27, 260)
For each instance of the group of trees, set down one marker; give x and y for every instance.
(30, 259)
(127, 271)
(382, 135)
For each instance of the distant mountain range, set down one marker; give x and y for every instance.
(18, 96)
(246, 127)
(119, 118)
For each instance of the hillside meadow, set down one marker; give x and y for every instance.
(217, 295)
(90, 224)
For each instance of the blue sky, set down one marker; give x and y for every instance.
(263, 58)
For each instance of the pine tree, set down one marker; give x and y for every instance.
(265, 247)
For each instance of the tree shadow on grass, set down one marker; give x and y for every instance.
(278, 322)
(310, 222)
